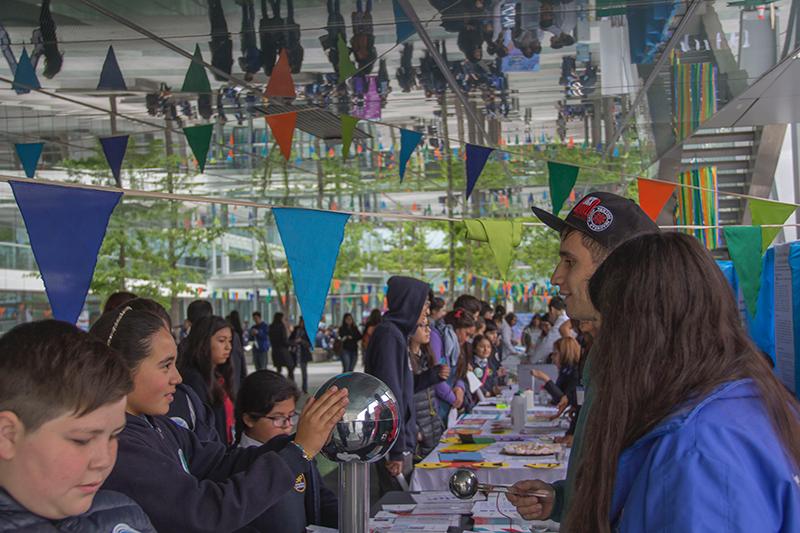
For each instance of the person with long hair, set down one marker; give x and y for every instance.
(427, 373)
(279, 341)
(690, 430)
(564, 391)
(459, 327)
(266, 414)
(181, 482)
(301, 346)
(349, 335)
(235, 320)
(482, 366)
(372, 322)
(204, 363)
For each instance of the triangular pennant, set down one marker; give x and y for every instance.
(346, 67)
(502, 235)
(280, 81)
(111, 77)
(196, 79)
(29, 154)
(66, 227)
(403, 25)
(114, 148)
(409, 140)
(476, 160)
(765, 212)
(282, 126)
(199, 139)
(25, 76)
(653, 195)
(562, 180)
(744, 247)
(348, 126)
(311, 240)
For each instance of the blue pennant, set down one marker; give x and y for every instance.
(66, 227)
(111, 77)
(114, 148)
(25, 76)
(405, 28)
(311, 240)
(476, 160)
(409, 140)
(29, 154)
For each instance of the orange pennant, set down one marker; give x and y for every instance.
(281, 82)
(653, 195)
(282, 126)
(365, 298)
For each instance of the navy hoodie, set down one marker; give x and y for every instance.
(187, 485)
(387, 354)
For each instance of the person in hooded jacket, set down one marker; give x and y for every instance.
(387, 359)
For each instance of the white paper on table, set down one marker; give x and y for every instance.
(474, 382)
(320, 529)
(436, 496)
(443, 508)
(398, 507)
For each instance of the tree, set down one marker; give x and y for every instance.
(151, 246)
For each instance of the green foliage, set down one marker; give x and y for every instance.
(150, 245)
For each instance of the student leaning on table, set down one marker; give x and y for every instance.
(690, 430)
(597, 224)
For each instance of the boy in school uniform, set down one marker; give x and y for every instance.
(62, 406)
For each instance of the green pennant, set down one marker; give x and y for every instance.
(199, 139)
(744, 247)
(346, 67)
(348, 125)
(766, 212)
(562, 180)
(196, 80)
(502, 235)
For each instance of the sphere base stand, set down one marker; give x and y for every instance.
(354, 497)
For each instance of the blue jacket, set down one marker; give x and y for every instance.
(716, 466)
(110, 512)
(386, 357)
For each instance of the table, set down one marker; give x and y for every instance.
(400, 497)
(425, 479)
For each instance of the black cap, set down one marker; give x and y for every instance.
(607, 218)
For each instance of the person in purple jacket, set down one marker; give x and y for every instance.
(182, 483)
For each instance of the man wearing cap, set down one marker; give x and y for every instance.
(597, 224)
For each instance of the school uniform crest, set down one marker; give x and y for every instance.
(300, 483)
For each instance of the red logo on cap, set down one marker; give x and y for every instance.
(583, 209)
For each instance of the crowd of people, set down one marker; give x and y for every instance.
(679, 429)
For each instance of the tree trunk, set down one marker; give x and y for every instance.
(172, 223)
(451, 226)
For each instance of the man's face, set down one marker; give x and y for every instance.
(572, 277)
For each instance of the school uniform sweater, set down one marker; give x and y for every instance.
(187, 485)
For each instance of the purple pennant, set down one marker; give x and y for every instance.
(111, 77)
(114, 148)
(476, 160)
(66, 227)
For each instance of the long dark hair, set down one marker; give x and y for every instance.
(236, 322)
(195, 353)
(259, 393)
(671, 334)
(374, 318)
(129, 331)
(344, 321)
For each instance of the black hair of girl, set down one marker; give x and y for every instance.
(374, 318)
(459, 319)
(344, 320)
(146, 304)
(468, 303)
(437, 304)
(236, 322)
(128, 331)
(259, 393)
(277, 318)
(195, 352)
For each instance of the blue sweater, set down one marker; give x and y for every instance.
(187, 485)
(717, 466)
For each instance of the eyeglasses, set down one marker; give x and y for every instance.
(280, 421)
(424, 325)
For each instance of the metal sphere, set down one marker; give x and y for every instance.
(464, 484)
(370, 424)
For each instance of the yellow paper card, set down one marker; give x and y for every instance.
(543, 465)
(464, 448)
(490, 465)
(433, 465)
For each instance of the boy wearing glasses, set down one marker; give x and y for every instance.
(266, 414)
